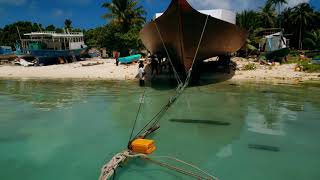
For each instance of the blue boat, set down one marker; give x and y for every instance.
(6, 50)
(6, 53)
(56, 53)
(49, 46)
(130, 59)
(316, 60)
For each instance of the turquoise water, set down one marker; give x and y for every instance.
(69, 129)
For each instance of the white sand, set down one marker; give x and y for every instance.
(285, 72)
(109, 71)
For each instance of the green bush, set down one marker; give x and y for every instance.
(308, 67)
(294, 53)
(249, 67)
(292, 60)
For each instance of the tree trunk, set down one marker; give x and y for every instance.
(300, 43)
(279, 13)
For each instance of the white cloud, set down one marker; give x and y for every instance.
(61, 13)
(13, 2)
(209, 4)
(58, 12)
(292, 3)
(236, 5)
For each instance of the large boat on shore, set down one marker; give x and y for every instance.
(49, 46)
(185, 34)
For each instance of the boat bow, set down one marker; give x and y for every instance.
(179, 30)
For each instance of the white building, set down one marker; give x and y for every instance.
(222, 14)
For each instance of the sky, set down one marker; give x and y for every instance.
(87, 13)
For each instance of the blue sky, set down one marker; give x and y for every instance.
(87, 13)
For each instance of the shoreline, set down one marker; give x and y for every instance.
(106, 70)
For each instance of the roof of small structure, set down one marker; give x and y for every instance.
(54, 34)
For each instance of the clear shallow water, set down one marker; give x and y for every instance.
(68, 129)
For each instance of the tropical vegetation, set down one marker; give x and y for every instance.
(301, 24)
(125, 18)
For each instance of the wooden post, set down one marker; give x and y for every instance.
(54, 45)
(64, 43)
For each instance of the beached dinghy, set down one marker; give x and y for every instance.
(130, 59)
(275, 46)
(186, 34)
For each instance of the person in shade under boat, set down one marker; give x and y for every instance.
(154, 65)
(141, 73)
(116, 56)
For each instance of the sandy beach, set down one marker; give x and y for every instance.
(284, 72)
(107, 70)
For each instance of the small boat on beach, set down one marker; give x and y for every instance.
(130, 59)
(274, 46)
(187, 35)
(316, 60)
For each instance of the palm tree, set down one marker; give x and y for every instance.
(267, 16)
(285, 18)
(313, 39)
(248, 20)
(125, 13)
(68, 24)
(278, 3)
(302, 15)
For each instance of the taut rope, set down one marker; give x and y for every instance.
(163, 44)
(109, 169)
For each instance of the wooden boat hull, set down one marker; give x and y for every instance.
(277, 54)
(7, 56)
(56, 53)
(180, 29)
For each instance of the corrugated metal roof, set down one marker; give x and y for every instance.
(54, 34)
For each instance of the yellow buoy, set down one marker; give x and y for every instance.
(144, 146)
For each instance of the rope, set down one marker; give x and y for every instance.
(163, 44)
(182, 171)
(196, 53)
(109, 169)
(158, 116)
(152, 159)
(181, 86)
(137, 116)
(188, 164)
(163, 109)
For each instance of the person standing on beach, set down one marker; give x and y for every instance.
(141, 73)
(116, 56)
(141, 64)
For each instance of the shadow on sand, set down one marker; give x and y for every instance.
(211, 73)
